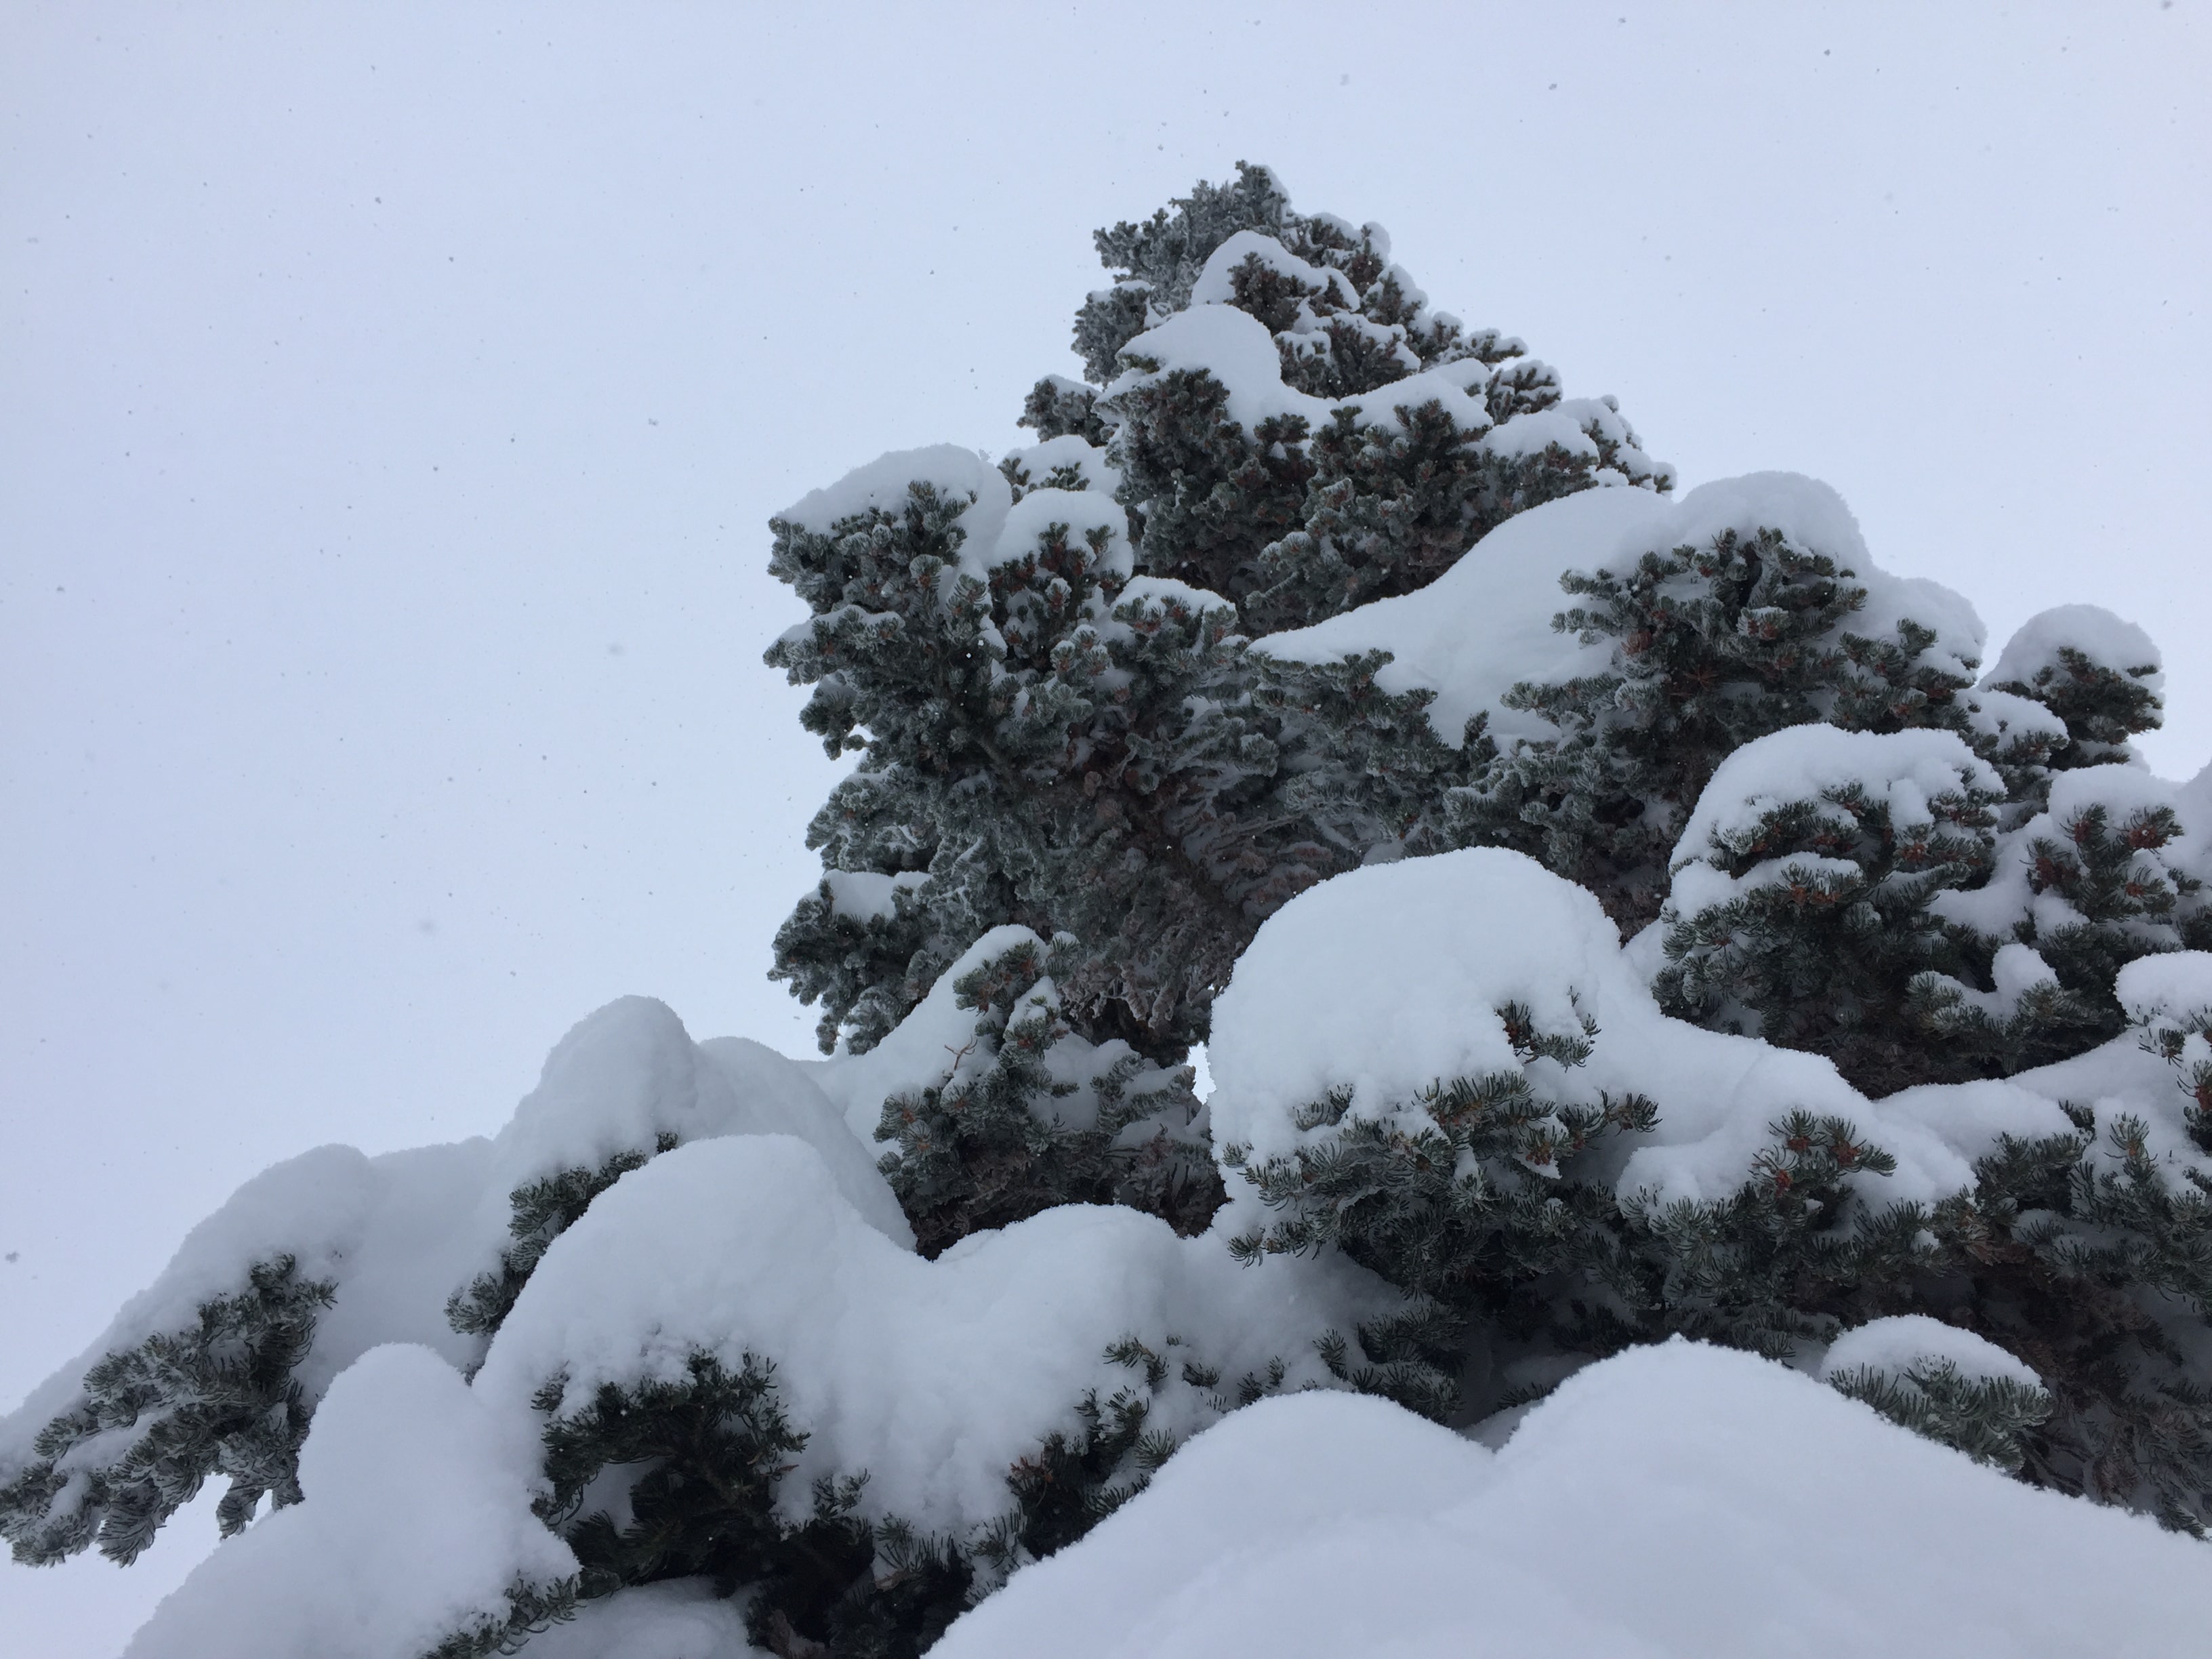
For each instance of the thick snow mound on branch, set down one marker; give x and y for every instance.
(881, 486)
(2108, 640)
(1038, 462)
(1910, 768)
(1675, 1503)
(1387, 980)
(866, 896)
(1906, 1339)
(1486, 624)
(1236, 348)
(399, 1233)
(933, 1376)
(630, 1074)
(1081, 510)
(1907, 770)
(2179, 982)
(396, 1233)
(416, 1522)
(1213, 286)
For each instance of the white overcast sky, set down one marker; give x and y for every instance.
(392, 398)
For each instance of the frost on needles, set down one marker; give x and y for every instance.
(1625, 928)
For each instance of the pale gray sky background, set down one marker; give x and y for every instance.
(392, 398)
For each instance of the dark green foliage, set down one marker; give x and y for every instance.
(2128, 901)
(679, 1478)
(2091, 1263)
(1468, 1211)
(1413, 1358)
(908, 1589)
(1157, 262)
(1075, 1479)
(2103, 704)
(1377, 778)
(712, 1449)
(542, 1211)
(1037, 750)
(700, 1461)
(1984, 1417)
(1390, 507)
(1822, 946)
(1713, 647)
(990, 1145)
(1057, 407)
(2094, 1264)
(156, 1420)
(867, 971)
(1794, 1254)
(1044, 745)
(1294, 525)
(1215, 496)
(2097, 889)
(1963, 1037)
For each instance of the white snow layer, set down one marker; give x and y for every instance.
(1038, 462)
(1486, 624)
(881, 486)
(2106, 640)
(1908, 770)
(683, 1619)
(1674, 1503)
(2178, 983)
(994, 527)
(398, 1234)
(1385, 981)
(1236, 348)
(418, 1519)
(1082, 511)
(1691, 1474)
(934, 1376)
(1903, 1340)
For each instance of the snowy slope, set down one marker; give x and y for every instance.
(1675, 1503)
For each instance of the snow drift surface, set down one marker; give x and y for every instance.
(1679, 1501)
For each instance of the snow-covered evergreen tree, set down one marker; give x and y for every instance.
(1612, 920)
(1045, 675)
